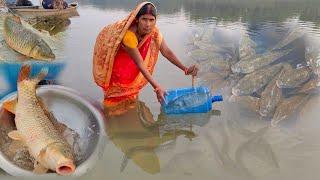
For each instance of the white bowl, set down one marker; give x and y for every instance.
(79, 113)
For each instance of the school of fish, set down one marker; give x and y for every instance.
(268, 83)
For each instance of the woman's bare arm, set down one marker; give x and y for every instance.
(136, 56)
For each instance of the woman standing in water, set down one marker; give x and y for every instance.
(125, 54)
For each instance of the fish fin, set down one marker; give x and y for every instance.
(43, 73)
(10, 106)
(41, 154)
(24, 72)
(16, 146)
(6, 120)
(39, 169)
(15, 135)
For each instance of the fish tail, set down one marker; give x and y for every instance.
(24, 73)
(43, 73)
(10, 106)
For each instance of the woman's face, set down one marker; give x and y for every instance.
(146, 23)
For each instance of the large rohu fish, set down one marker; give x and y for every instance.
(25, 41)
(36, 130)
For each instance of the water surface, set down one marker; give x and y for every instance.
(232, 142)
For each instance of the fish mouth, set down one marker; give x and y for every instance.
(66, 168)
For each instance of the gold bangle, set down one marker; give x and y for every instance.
(156, 89)
(185, 71)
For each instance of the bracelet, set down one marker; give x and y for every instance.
(185, 71)
(156, 89)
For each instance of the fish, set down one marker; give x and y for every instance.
(188, 101)
(35, 129)
(288, 38)
(217, 86)
(311, 86)
(207, 35)
(270, 97)
(246, 47)
(250, 64)
(249, 102)
(255, 81)
(25, 41)
(8, 54)
(194, 35)
(209, 77)
(53, 25)
(199, 55)
(216, 64)
(292, 78)
(212, 48)
(312, 57)
(287, 107)
(229, 83)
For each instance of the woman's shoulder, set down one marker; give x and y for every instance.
(130, 39)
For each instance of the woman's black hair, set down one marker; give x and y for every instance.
(147, 9)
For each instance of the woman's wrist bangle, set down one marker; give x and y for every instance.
(185, 71)
(156, 89)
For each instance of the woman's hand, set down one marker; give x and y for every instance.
(192, 70)
(160, 95)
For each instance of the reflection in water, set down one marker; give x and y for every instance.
(139, 136)
(242, 153)
(258, 151)
(53, 25)
(233, 10)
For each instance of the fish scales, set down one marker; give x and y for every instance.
(270, 97)
(35, 129)
(25, 41)
(255, 81)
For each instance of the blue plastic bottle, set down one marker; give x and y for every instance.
(189, 100)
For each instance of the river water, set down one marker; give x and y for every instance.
(231, 142)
